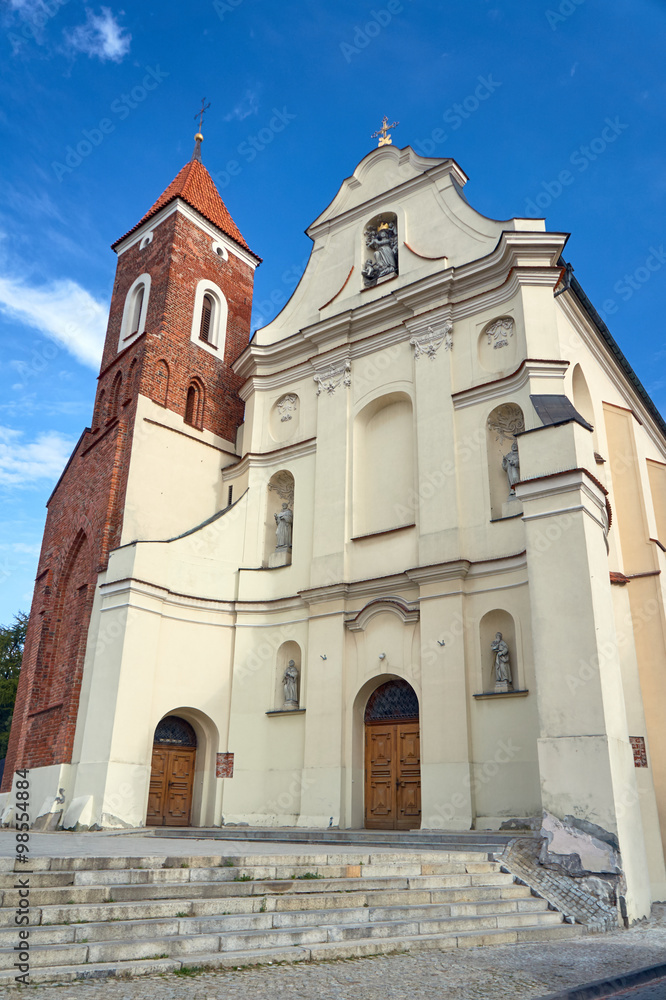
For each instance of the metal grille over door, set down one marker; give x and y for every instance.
(393, 700)
(172, 729)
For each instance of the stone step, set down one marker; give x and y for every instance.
(153, 927)
(324, 950)
(245, 901)
(174, 945)
(38, 866)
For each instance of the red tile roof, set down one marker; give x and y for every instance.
(195, 186)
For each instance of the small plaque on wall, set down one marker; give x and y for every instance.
(640, 753)
(224, 765)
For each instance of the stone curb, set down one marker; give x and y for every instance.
(608, 987)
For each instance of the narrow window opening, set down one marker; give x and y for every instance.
(136, 311)
(191, 405)
(206, 318)
(230, 496)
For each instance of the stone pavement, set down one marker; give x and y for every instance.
(503, 973)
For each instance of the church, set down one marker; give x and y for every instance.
(393, 563)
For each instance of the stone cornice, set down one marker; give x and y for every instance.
(518, 379)
(300, 449)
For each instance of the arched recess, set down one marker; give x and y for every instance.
(99, 417)
(502, 426)
(130, 382)
(279, 523)
(386, 722)
(161, 383)
(61, 653)
(383, 478)
(194, 403)
(493, 622)
(185, 754)
(288, 657)
(582, 400)
(114, 397)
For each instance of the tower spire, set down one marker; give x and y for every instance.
(198, 139)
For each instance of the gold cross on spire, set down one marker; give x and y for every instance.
(382, 133)
(200, 115)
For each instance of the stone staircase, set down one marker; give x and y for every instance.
(94, 917)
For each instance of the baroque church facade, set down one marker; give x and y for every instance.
(395, 562)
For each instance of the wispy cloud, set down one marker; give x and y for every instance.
(63, 311)
(23, 463)
(246, 106)
(101, 37)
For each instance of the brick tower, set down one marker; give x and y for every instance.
(179, 318)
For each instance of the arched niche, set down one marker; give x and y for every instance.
(380, 249)
(502, 426)
(582, 400)
(278, 530)
(288, 657)
(498, 344)
(384, 465)
(493, 622)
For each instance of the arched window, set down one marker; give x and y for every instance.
(114, 397)
(207, 318)
(194, 404)
(135, 310)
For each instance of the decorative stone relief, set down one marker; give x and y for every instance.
(290, 685)
(430, 342)
(499, 332)
(502, 666)
(330, 378)
(287, 406)
(381, 236)
(506, 421)
(283, 484)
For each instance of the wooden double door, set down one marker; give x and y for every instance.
(171, 784)
(392, 775)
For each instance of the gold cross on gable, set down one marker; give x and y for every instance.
(202, 111)
(384, 138)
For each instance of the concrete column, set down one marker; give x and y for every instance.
(585, 759)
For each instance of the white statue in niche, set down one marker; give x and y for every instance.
(284, 520)
(290, 685)
(503, 680)
(511, 465)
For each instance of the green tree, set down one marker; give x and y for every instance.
(12, 640)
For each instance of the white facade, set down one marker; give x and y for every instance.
(392, 407)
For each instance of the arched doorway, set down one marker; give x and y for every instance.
(392, 758)
(172, 773)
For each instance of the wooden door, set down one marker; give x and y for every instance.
(171, 782)
(392, 776)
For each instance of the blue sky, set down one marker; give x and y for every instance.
(518, 93)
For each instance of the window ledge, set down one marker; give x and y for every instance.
(485, 695)
(384, 531)
(287, 711)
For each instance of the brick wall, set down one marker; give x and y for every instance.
(85, 511)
